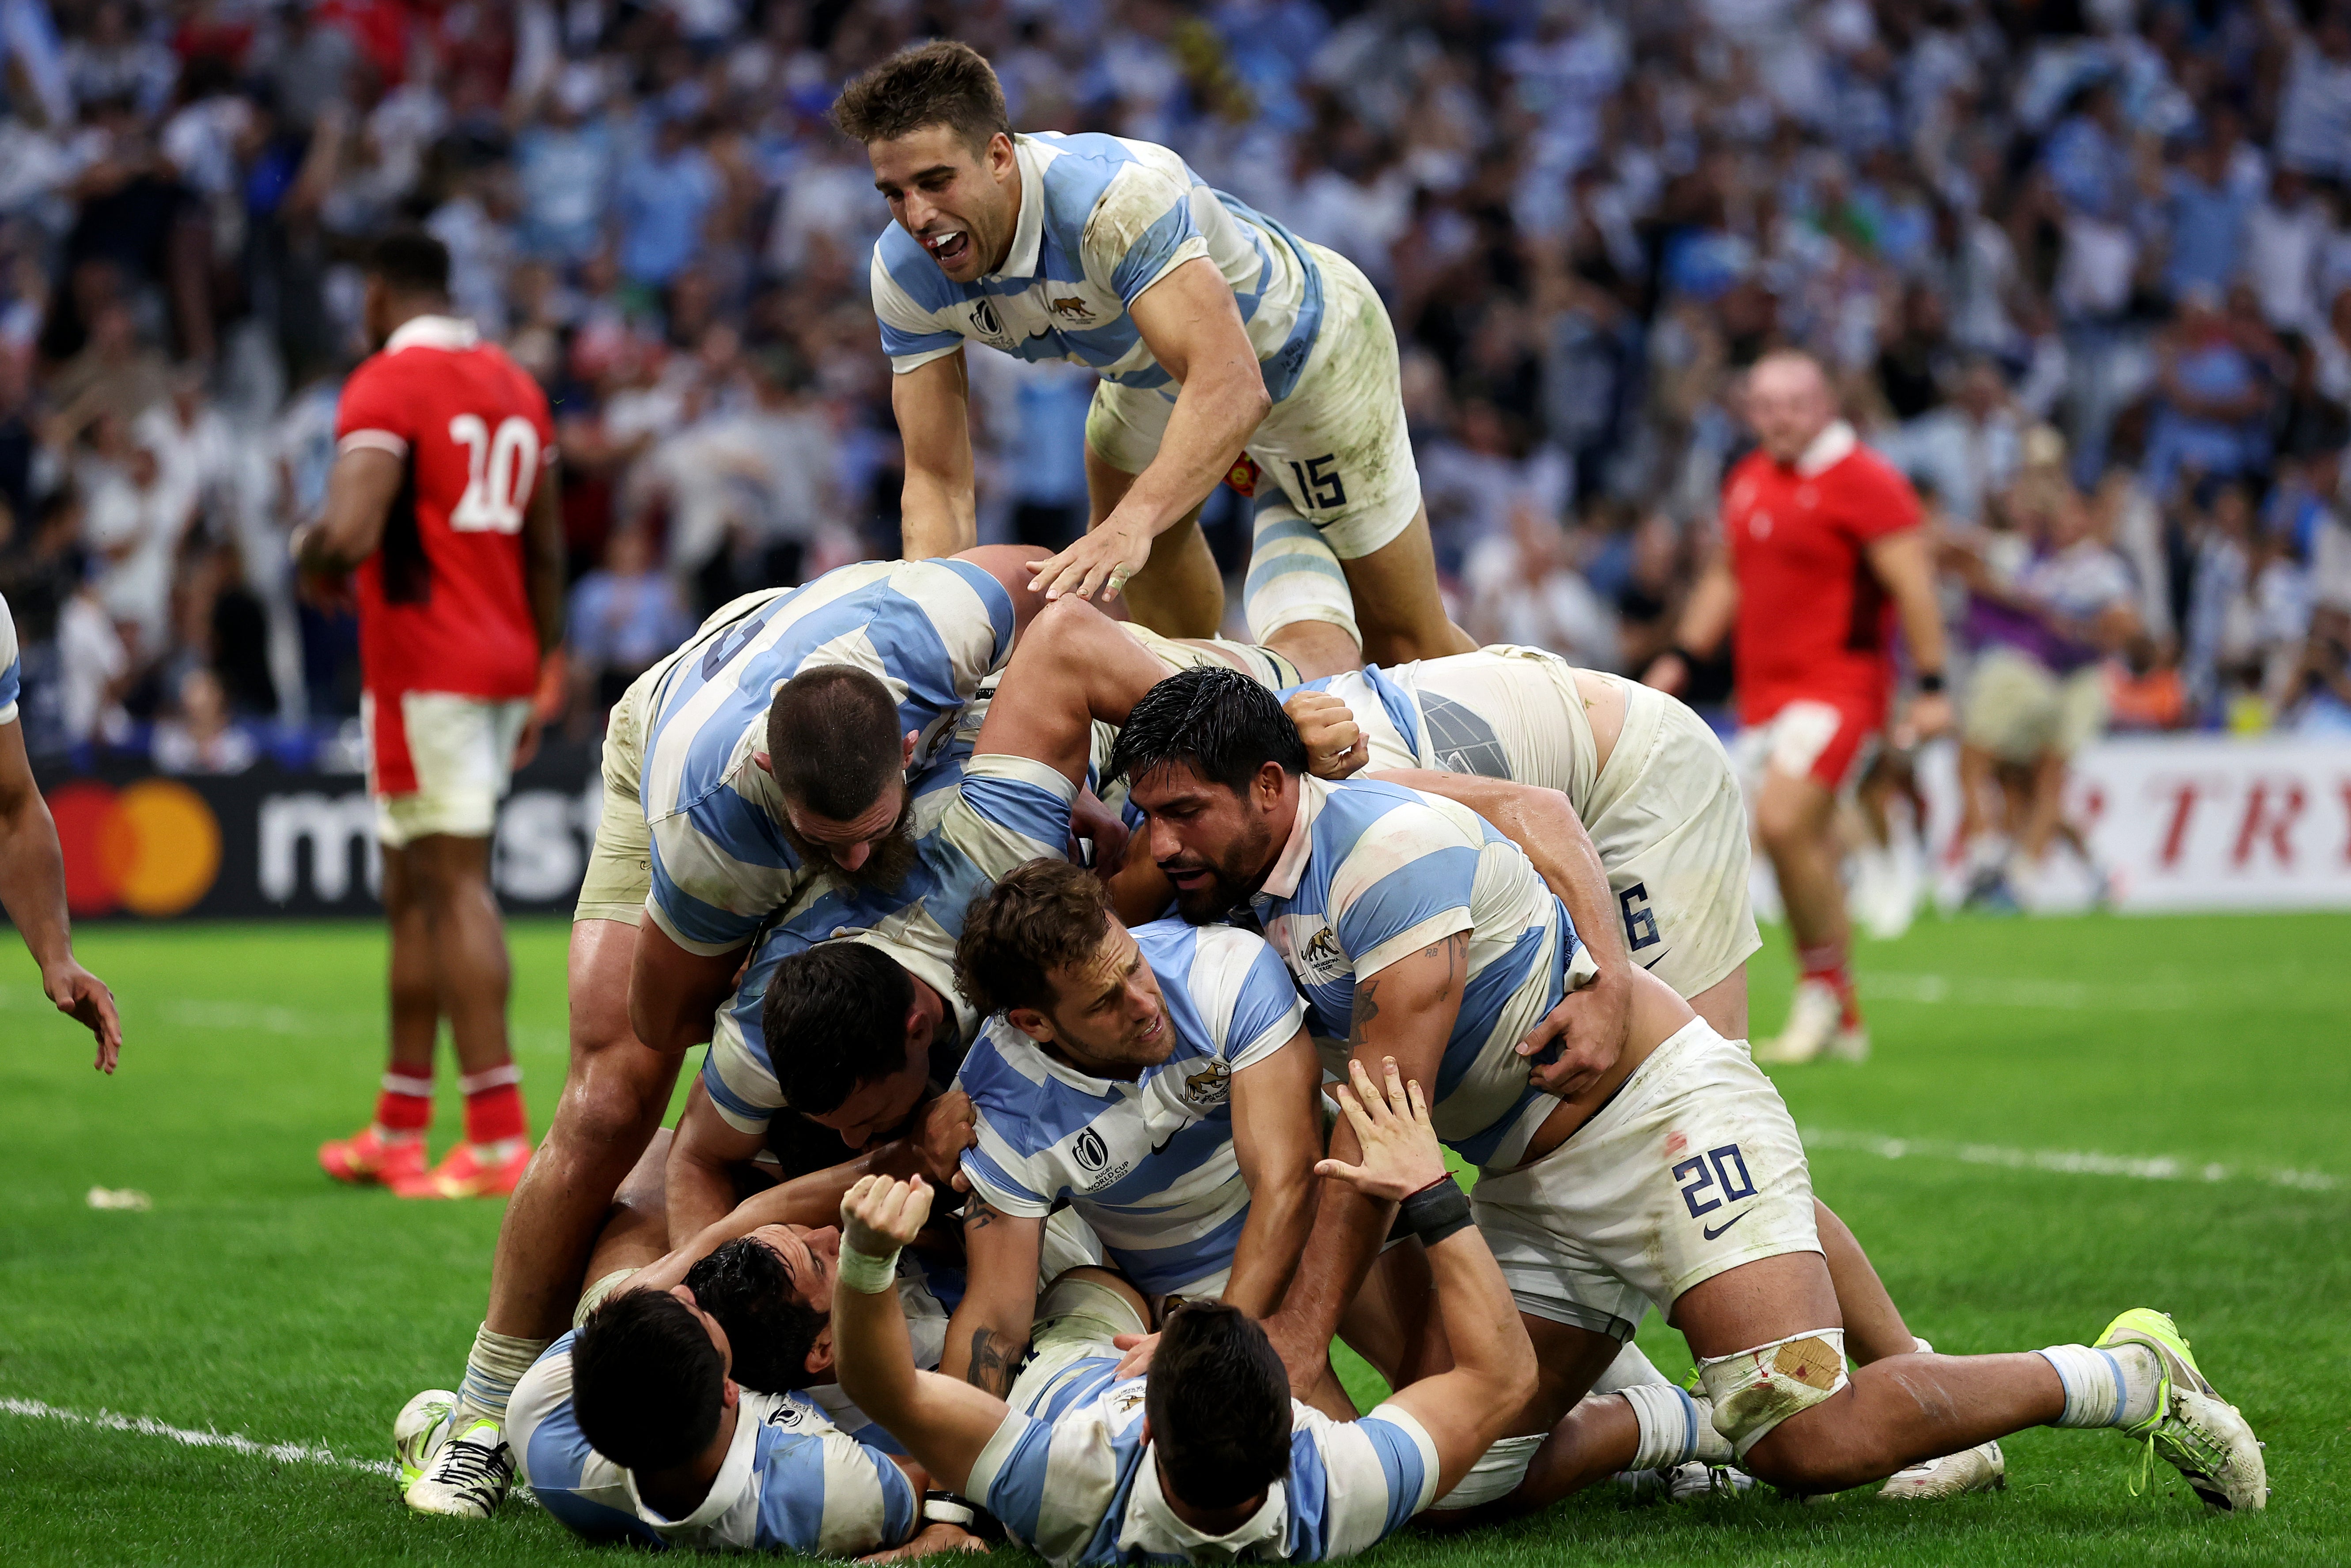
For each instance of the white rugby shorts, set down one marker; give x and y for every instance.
(1336, 444)
(441, 764)
(1694, 1168)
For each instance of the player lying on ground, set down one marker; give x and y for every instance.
(1206, 1457)
(1418, 932)
(1215, 332)
(33, 872)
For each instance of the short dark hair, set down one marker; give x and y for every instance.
(410, 261)
(748, 1287)
(833, 740)
(1214, 720)
(1218, 1403)
(1047, 913)
(938, 83)
(835, 1018)
(647, 1383)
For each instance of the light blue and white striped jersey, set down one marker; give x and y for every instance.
(1102, 219)
(11, 665)
(931, 630)
(1073, 1479)
(791, 1481)
(1148, 1165)
(1374, 872)
(975, 820)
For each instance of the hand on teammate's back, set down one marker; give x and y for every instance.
(84, 998)
(881, 1214)
(1580, 1040)
(1400, 1152)
(1334, 742)
(1101, 563)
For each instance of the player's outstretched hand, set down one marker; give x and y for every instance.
(932, 1540)
(1334, 742)
(1101, 563)
(1581, 1038)
(881, 1214)
(948, 1127)
(1400, 1152)
(1140, 1348)
(83, 996)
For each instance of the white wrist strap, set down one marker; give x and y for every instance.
(865, 1273)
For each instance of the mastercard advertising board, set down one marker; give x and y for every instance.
(268, 844)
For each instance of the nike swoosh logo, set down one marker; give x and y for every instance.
(1711, 1231)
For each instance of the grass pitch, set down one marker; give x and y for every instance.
(2064, 1118)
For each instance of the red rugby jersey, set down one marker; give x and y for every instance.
(1813, 620)
(442, 603)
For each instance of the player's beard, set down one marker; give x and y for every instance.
(1229, 883)
(887, 863)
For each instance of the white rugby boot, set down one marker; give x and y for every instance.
(467, 1474)
(1816, 1028)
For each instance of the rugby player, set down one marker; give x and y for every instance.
(1418, 932)
(443, 498)
(1206, 1457)
(1215, 332)
(33, 872)
(1821, 549)
(1159, 1081)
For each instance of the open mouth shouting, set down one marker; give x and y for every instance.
(950, 247)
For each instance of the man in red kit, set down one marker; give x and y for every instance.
(1823, 553)
(443, 500)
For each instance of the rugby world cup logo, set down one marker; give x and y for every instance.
(1091, 1153)
(984, 317)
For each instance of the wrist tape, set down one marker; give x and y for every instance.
(1435, 1212)
(866, 1273)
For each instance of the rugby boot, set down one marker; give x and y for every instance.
(2197, 1433)
(368, 1157)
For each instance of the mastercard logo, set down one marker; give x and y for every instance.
(150, 848)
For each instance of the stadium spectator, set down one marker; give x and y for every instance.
(623, 616)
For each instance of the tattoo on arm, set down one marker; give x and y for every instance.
(1366, 1008)
(978, 1214)
(995, 1358)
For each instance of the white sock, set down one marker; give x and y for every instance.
(2113, 1388)
(493, 1367)
(1630, 1369)
(1920, 1347)
(1293, 576)
(1677, 1427)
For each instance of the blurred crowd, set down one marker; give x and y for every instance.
(2082, 267)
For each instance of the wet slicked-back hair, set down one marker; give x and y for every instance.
(1214, 720)
(1219, 1405)
(833, 740)
(938, 83)
(1045, 914)
(747, 1285)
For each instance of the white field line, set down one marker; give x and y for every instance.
(2066, 1162)
(2071, 996)
(148, 1427)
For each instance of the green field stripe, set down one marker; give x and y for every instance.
(2063, 1162)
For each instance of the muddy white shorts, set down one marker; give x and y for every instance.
(1337, 444)
(1694, 1168)
(621, 862)
(439, 762)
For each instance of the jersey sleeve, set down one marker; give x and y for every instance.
(828, 1495)
(1009, 810)
(1880, 500)
(1246, 996)
(1405, 884)
(1383, 1470)
(1074, 1454)
(998, 1170)
(713, 886)
(375, 412)
(1140, 229)
(737, 1076)
(585, 1491)
(915, 330)
(11, 666)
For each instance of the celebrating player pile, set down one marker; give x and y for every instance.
(853, 837)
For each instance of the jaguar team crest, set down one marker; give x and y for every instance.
(1069, 308)
(1211, 1085)
(1321, 958)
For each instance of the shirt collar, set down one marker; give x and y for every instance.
(1828, 449)
(1290, 866)
(450, 333)
(1028, 229)
(1151, 1526)
(727, 1488)
(1013, 1041)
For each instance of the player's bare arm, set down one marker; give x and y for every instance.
(1705, 622)
(1277, 1138)
(989, 1334)
(674, 994)
(943, 1421)
(1406, 1012)
(938, 511)
(1589, 1025)
(1904, 563)
(703, 1159)
(1074, 665)
(1493, 1375)
(1193, 328)
(360, 491)
(33, 890)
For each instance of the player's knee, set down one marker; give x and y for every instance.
(1768, 1403)
(1805, 1454)
(1780, 820)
